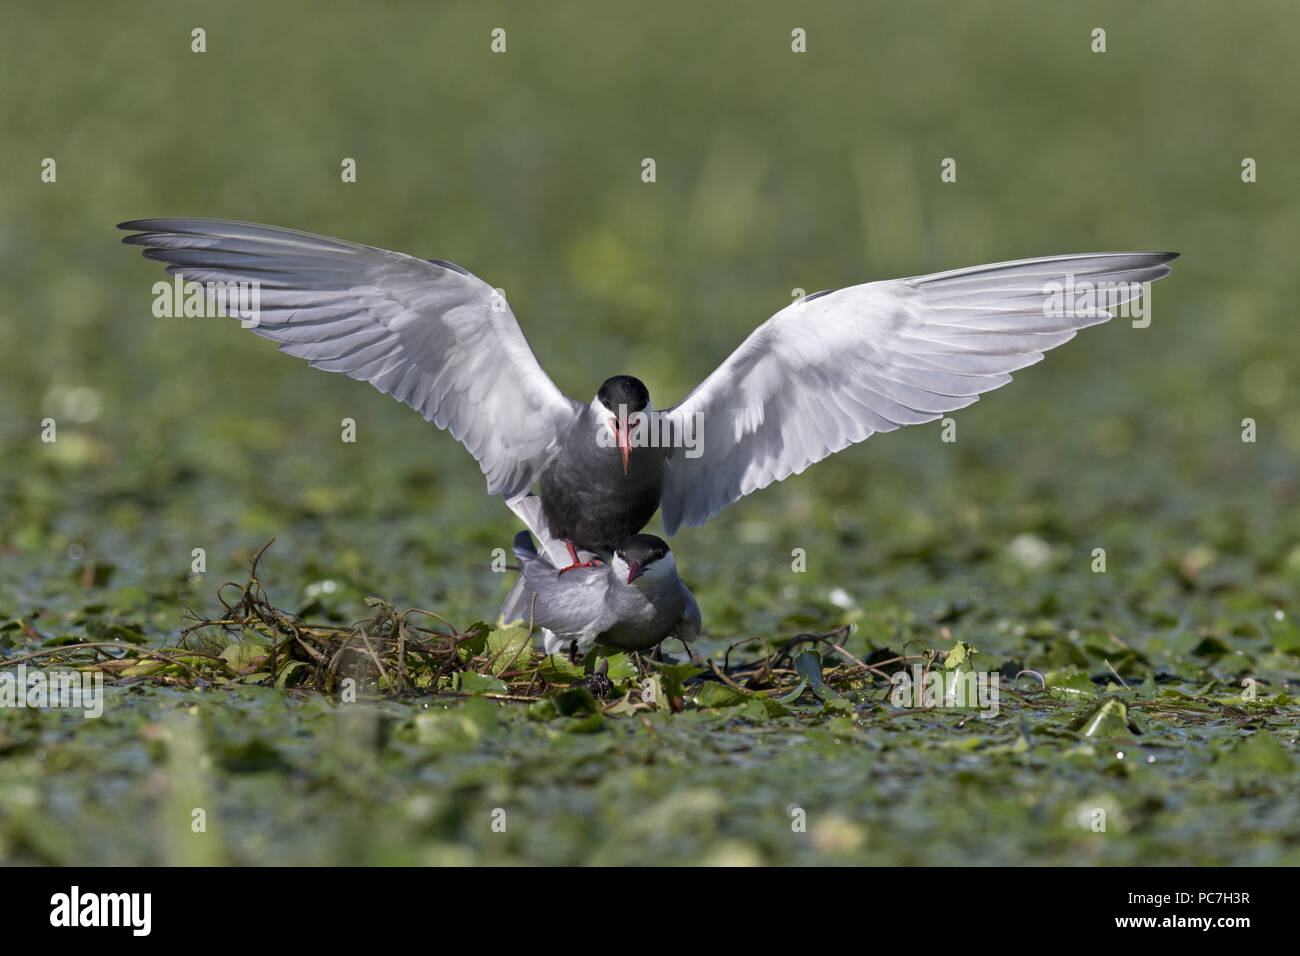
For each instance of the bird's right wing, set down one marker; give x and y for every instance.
(426, 332)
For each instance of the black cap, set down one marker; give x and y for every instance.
(627, 391)
(642, 549)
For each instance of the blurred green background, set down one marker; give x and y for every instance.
(775, 171)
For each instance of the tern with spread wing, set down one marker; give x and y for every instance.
(632, 603)
(828, 370)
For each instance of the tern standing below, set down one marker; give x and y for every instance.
(632, 603)
(827, 371)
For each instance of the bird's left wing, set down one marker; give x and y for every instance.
(426, 332)
(836, 367)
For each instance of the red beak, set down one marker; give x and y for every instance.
(623, 444)
(633, 572)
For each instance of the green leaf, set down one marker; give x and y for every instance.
(507, 648)
(575, 700)
(557, 669)
(472, 683)
(680, 673)
(1070, 684)
(543, 709)
(282, 680)
(755, 710)
(809, 667)
(623, 707)
(673, 678)
(714, 694)
(960, 658)
(241, 654)
(1109, 718)
(121, 633)
(585, 723)
(148, 668)
(654, 692)
(791, 697)
(621, 667)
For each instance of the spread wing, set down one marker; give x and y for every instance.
(837, 367)
(426, 332)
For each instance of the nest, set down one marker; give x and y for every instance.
(419, 653)
(392, 653)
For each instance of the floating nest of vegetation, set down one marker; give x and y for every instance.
(416, 653)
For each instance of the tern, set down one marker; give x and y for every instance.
(825, 372)
(632, 603)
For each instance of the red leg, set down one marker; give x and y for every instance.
(573, 554)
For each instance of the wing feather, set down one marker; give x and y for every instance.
(426, 332)
(836, 368)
